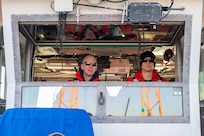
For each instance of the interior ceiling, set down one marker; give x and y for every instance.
(57, 59)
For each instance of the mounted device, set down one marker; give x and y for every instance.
(63, 5)
(144, 12)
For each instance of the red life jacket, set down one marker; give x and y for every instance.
(79, 76)
(138, 77)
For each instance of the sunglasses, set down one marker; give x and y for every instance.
(90, 63)
(148, 60)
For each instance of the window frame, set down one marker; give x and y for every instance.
(100, 118)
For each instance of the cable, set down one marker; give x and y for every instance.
(115, 1)
(75, 4)
(60, 29)
(167, 9)
(98, 7)
(51, 5)
(172, 2)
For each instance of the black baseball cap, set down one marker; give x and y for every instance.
(145, 55)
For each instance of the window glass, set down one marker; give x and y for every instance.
(61, 97)
(119, 101)
(144, 101)
(57, 56)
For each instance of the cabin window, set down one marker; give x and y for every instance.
(57, 53)
(48, 54)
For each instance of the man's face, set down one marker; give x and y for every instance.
(147, 64)
(89, 66)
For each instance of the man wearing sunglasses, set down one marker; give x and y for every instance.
(147, 72)
(88, 69)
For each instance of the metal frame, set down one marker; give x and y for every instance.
(101, 118)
